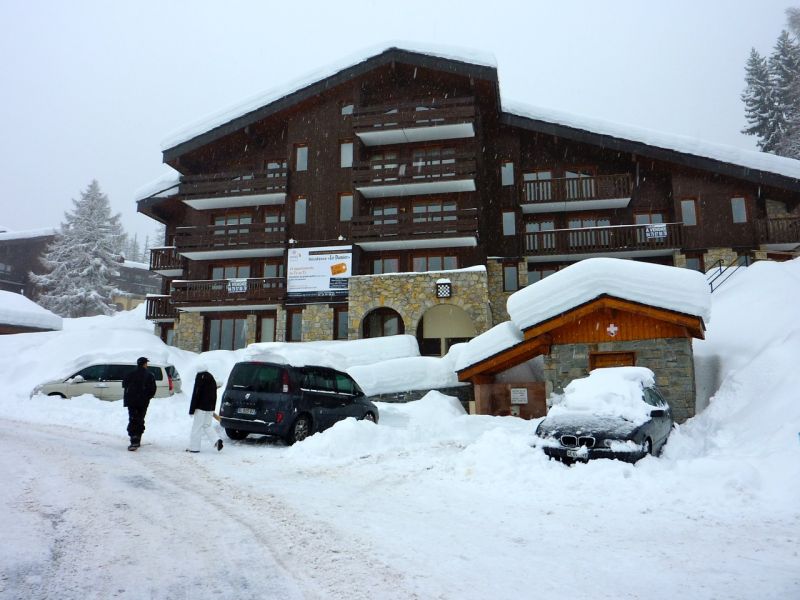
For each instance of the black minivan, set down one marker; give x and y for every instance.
(289, 402)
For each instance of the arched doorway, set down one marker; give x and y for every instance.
(442, 326)
(382, 322)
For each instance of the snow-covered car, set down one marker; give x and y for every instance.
(288, 401)
(614, 413)
(104, 381)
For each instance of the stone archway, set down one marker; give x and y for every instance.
(381, 322)
(441, 326)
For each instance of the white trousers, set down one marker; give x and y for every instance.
(202, 425)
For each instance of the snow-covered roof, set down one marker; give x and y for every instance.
(27, 234)
(166, 185)
(750, 159)
(16, 309)
(259, 100)
(497, 339)
(680, 290)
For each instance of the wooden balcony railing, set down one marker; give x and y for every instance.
(220, 185)
(453, 223)
(216, 237)
(604, 239)
(403, 172)
(229, 291)
(160, 308)
(166, 259)
(423, 113)
(601, 187)
(781, 230)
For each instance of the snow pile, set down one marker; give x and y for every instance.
(6, 235)
(497, 339)
(613, 392)
(680, 290)
(404, 374)
(16, 309)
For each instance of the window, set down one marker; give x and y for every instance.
(275, 168)
(510, 278)
(739, 210)
(645, 234)
(222, 223)
(345, 385)
(509, 223)
(230, 271)
(507, 173)
(689, 211)
(382, 322)
(385, 265)
(275, 222)
(301, 158)
(346, 154)
(267, 329)
(538, 186)
(433, 162)
(695, 262)
(434, 262)
(539, 273)
(587, 235)
(579, 183)
(226, 334)
(273, 269)
(540, 240)
(300, 208)
(384, 161)
(347, 109)
(385, 215)
(345, 207)
(340, 317)
(431, 210)
(294, 325)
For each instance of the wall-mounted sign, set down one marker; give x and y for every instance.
(519, 396)
(320, 271)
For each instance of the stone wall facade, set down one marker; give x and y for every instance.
(189, 331)
(317, 323)
(497, 295)
(412, 294)
(671, 359)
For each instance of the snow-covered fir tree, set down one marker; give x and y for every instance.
(757, 98)
(784, 67)
(82, 259)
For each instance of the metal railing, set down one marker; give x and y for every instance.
(720, 272)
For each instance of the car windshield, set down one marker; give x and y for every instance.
(256, 377)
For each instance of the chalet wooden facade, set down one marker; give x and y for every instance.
(408, 162)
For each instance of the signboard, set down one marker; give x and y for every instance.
(657, 231)
(519, 396)
(237, 286)
(320, 271)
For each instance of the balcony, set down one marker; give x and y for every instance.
(166, 261)
(160, 309)
(412, 122)
(572, 193)
(778, 233)
(233, 189)
(447, 229)
(228, 294)
(389, 177)
(246, 240)
(622, 241)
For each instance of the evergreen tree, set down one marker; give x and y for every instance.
(82, 258)
(757, 98)
(784, 67)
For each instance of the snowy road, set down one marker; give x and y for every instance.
(90, 520)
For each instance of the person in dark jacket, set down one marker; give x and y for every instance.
(139, 388)
(204, 401)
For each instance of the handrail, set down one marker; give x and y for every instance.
(743, 260)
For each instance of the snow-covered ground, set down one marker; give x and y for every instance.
(429, 503)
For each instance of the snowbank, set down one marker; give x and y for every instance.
(16, 309)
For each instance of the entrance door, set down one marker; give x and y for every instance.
(598, 360)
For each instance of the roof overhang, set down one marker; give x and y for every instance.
(382, 137)
(481, 372)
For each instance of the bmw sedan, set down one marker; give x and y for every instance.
(613, 413)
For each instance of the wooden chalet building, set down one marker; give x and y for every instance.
(352, 206)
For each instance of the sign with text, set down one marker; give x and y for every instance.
(320, 271)
(656, 231)
(519, 396)
(237, 286)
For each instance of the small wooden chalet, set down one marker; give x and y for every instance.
(646, 316)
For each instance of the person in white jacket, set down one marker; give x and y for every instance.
(204, 402)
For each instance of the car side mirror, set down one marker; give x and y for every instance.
(658, 412)
(77, 379)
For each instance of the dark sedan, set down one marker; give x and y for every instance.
(639, 425)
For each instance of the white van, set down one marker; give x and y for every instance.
(104, 381)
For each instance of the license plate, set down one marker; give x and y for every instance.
(574, 453)
(246, 411)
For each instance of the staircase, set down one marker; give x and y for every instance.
(719, 273)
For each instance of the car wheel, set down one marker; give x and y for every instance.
(300, 430)
(647, 446)
(58, 394)
(235, 434)
(369, 417)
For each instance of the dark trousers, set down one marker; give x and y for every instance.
(136, 416)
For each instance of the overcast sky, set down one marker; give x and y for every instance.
(88, 90)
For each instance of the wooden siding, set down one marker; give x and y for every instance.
(784, 230)
(166, 259)
(564, 189)
(601, 239)
(452, 223)
(238, 236)
(222, 291)
(421, 113)
(593, 328)
(159, 308)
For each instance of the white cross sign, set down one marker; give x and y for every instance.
(612, 330)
